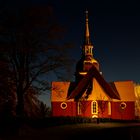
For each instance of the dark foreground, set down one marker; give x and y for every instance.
(105, 131)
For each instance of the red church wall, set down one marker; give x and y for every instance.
(118, 111)
(63, 109)
(103, 111)
(123, 112)
(86, 109)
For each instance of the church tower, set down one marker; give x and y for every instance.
(87, 59)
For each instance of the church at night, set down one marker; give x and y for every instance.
(90, 95)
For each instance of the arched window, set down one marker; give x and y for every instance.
(79, 108)
(109, 108)
(91, 50)
(94, 107)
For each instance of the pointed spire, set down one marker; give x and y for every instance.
(87, 40)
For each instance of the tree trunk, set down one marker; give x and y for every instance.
(20, 103)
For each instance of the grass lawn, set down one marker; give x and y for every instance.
(107, 131)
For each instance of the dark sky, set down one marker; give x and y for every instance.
(114, 29)
(115, 33)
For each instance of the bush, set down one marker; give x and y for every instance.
(55, 121)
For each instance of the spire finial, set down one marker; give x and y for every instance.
(87, 29)
(86, 15)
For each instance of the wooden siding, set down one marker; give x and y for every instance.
(70, 110)
(123, 114)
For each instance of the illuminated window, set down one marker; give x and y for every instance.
(109, 108)
(91, 50)
(79, 108)
(87, 51)
(94, 107)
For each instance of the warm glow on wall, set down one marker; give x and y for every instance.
(137, 103)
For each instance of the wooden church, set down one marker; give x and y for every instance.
(90, 95)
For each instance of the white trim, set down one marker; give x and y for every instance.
(83, 73)
(122, 105)
(94, 116)
(65, 105)
(96, 107)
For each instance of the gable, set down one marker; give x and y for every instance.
(125, 90)
(59, 91)
(82, 85)
(98, 93)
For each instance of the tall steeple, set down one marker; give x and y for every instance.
(87, 60)
(88, 46)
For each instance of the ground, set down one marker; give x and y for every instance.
(106, 131)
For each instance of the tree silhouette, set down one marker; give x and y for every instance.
(31, 43)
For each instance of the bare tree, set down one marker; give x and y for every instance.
(31, 41)
(102, 104)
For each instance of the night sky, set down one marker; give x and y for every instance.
(115, 33)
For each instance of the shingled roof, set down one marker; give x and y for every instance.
(78, 91)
